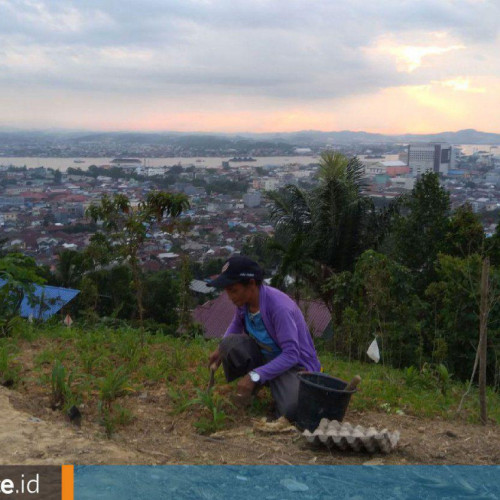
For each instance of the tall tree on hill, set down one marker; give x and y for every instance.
(332, 225)
(185, 299)
(291, 214)
(420, 231)
(294, 263)
(3, 244)
(127, 227)
(344, 220)
(493, 247)
(465, 234)
(161, 298)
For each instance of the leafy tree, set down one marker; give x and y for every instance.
(185, 319)
(69, 268)
(116, 292)
(331, 225)
(465, 234)
(18, 274)
(226, 186)
(378, 299)
(420, 230)
(454, 317)
(493, 247)
(211, 267)
(3, 246)
(161, 297)
(293, 240)
(176, 170)
(99, 252)
(57, 177)
(294, 263)
(127, 227)
(89, 297)
(345, 221)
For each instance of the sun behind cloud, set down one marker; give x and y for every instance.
(409, 57)
(462, 84)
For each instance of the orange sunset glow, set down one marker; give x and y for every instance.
(237, 67)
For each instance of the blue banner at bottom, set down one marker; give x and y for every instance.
(286, 482)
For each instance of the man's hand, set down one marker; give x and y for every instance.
(245, 387)
(214, 358)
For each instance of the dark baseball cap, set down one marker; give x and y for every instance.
(237, 269)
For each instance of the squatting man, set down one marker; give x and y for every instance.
(267, 342)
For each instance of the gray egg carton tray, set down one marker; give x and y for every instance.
(344, 436)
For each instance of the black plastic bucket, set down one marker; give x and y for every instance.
(321, 396)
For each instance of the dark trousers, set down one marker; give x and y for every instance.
(241, 354)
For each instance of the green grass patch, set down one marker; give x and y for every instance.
(102, 363)
(9, 368)
(427, 393)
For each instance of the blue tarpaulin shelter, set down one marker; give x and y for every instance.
(46, 301)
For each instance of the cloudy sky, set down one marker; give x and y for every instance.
(390, 66)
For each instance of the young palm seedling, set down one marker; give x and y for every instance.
(9, 372)
(113, 386)
(60, 386)
(214, 417)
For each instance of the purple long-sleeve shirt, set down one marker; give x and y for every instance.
(286, 325)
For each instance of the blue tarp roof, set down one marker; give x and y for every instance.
(47, 301)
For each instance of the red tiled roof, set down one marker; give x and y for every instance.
(393, 171)
(30, 238)
(33, 196)
(317, 316)
(69, 198)
(216, 315)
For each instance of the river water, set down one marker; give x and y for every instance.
(215, 162)
(201, 163)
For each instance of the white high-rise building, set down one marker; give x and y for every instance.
(434, 156)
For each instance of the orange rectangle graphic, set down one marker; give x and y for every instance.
(67, 478)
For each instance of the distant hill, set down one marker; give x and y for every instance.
(218, 140)
(467, 136)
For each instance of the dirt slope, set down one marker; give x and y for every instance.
(156, 437)
(25, 439)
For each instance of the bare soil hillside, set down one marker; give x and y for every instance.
(31, 433)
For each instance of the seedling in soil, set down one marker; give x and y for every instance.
(59, 385)
(114, 385)
(9, 372)
(211, 404)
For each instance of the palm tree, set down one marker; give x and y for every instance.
(294, 263)
(340, 212)
(291, 215)
(330, 226)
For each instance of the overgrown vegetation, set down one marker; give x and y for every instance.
(18, 275)
(9, 368)
(104, 370)
(125, 230)
(408, 275)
